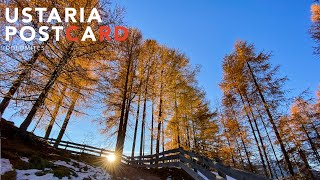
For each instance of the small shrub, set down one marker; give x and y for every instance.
(85, 168)
(67, 160)
(19, 164)
(75, 164)
(37, 162)
(61, 171)
(42, 173)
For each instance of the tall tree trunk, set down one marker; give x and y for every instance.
(127, 111)
(229, 144)
(55, 113)
(247, 154)
(120, 138)
(37, 123)
(159, 132)
(126, 118)
(151, 144)
(305, 160)
(314, 149)
(144, 113)
(258, 146)
(136, 127)
(43, 95)
(66, 120)
(244, 145)
(259, 134)
(162, 133)
(177, 120)
(315, 129)
(271, 144)
(142, 136)
(195, 144)
(188, 137)
(178, 135)
(240, 155)
(275, 129)
(159, 118)
(254, 135)
(16, 84)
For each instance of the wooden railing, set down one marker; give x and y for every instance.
(78, 149)
(197, 166)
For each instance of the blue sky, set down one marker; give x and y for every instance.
(206, 32)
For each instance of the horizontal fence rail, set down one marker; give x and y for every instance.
(197, 166)
(76, 148)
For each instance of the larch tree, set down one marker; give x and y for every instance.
(66, 52)
(253, 79)
(121, 83)
(27, 60)
(315, 28)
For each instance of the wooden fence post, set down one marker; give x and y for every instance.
(83, 148)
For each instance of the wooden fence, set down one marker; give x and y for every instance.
(197, 166)
(78, 149)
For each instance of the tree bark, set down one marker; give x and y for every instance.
(305, 160)
(66, 120)
(229, 144)
(136, 128)
(271, 144)
(151, 140)
(188, 137)
(120, 138)
(143, 125)
(314, 149)
(259, 134)
(55, 113)
(245, 148)
(244, 145)
(159, 121)
(177, 120)
(254, 135)
(239, 151)
(162, 133)
(127, 110)
(37, 123)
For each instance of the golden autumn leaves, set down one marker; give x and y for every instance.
(315, 10)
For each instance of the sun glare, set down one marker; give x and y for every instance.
(111, 158)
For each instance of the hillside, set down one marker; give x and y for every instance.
(25, 156)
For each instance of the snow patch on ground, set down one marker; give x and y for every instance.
(65, 164)
(5, 166)
(96, 172)
(84, 170)
(81, 169)
(25, 159)
(30, 174)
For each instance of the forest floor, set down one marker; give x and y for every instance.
(25, 156)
